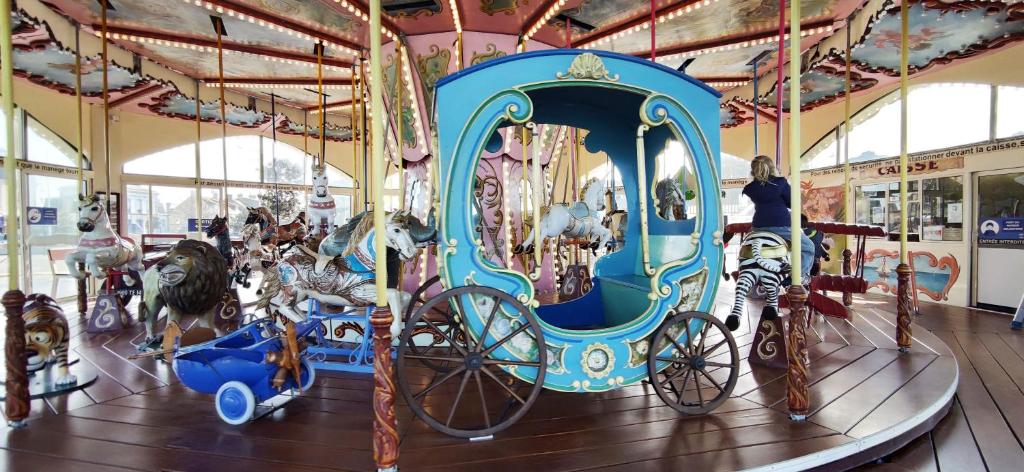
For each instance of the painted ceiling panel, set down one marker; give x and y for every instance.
(937, 35)
(55, 67)
(719, 19)
(727, 63)
(175, 104)
(199, 64)
(419, 17)
(297, 97)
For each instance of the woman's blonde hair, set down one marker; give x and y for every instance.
(762, 168)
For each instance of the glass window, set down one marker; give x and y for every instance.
(337, 178)
(870, 204)
(875, 129)
(734, 167)
(137, 210)
(45, 146)
(913, 203)
(1010, 112)
(239, 200)
(942, 209)
(172, 207)
(174, 162)
(342, 209)
(285, 164)
(3, 133)
(244, 158)
(1001, 208)
(674, 186)
(823, 154)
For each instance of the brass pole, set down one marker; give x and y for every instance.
(223, 116)
(78, 103)
(320, 101)
(355, 145)
(198, 158)
(10, 162)
(385, 424)
(400, 150)
(106, 98)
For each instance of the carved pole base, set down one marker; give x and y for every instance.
(385, 423)
(847, 270)
(903, 308)
(83, 295)
(16, 405)
(797, 396)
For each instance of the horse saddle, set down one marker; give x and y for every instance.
(579, 210)
(321, 261)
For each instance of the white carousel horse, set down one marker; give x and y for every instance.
(343, 280)
(100, 248)
(670, 200)
(579, 221)
(321, 204)
(258, 255)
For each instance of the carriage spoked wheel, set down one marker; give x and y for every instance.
(463, 389)
(693, 373)
(443, 318)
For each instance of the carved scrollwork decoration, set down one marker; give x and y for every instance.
(587, 66)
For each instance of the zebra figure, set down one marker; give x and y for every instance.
(764, 259)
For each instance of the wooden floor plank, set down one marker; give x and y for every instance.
(786, 432)
(821, 367)
(922, 391)
(850, 407)
(1007, 358)
(999, 448)
(955, 447)
(20, 460)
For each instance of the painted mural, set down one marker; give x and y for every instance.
(720, 19)
(311, 14)
(490, 52)
(432, 67)
(731, 115)
(174, 104)
(939, 33)
(727, 63)
(408, 117)
(601, 13)
(54, 67)
(818, 86)
(334, 132)
(822, 204)
(494, 7)
(931, 275)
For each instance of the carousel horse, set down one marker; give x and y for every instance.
(238, 268)
(336, 242)
(579, 221)
(615, 220)
(321, 204)
(764, 260)
(259, 256)
(670, 199)
(100, 248)
(343, 280)
(277, 235)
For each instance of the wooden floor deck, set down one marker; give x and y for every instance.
(138, 417)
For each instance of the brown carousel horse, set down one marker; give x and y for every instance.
(283, 237)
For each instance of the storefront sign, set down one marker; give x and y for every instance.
(922, 163)
(1001, 231)
(733, 183)
(41, 215)
(192, 224)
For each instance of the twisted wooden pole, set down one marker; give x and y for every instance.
(16, 405)
(903, 320)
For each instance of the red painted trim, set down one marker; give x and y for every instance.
(262, 80)
(137, 94)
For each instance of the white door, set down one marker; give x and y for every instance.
(999, 234)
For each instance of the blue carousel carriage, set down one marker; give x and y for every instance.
(647, 317)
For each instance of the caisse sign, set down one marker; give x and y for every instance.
(1001, 231)
(41, 215)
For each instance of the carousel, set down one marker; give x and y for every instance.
(461, 235)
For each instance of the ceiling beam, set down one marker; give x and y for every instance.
(284, 23)
(329, 105)
(117, 33)
(137, 94)
(735, 40)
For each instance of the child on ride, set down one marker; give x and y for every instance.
(770, 194)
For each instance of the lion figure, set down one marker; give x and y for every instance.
(46, 336)
(191, 280)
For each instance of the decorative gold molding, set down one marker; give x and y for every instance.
(587, 66)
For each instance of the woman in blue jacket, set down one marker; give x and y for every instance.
(770, 194)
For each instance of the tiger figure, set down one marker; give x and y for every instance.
(46, 336)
